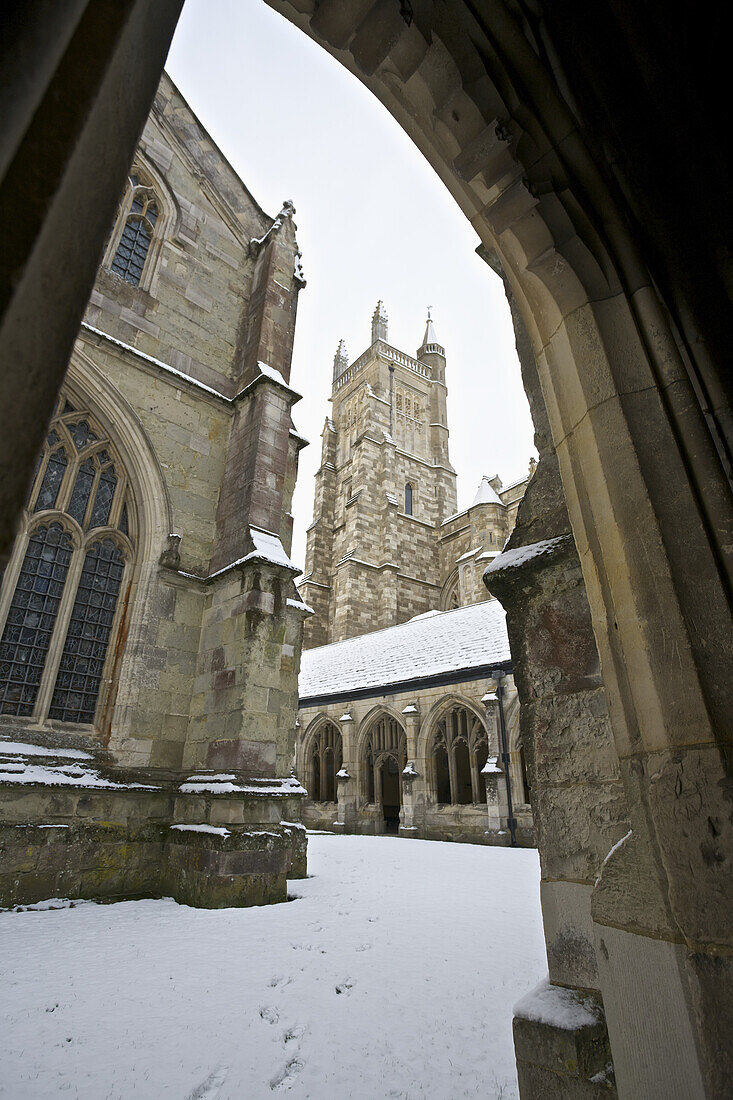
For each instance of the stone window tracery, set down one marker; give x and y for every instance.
(459, 750)
(59, 602)
(325, 759)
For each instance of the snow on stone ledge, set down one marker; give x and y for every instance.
(556, 1006)
(72, 775)
(300, 606)
(511, 559)
(228, 784)
(213, 830)
(20, 748)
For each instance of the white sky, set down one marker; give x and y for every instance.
(374, 221)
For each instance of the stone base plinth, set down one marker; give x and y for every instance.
(73, 827)
(561, 1046)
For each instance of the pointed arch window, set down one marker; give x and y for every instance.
(408, 499)
(325, 758)
(136, 229)
(72, 558)
(458, 753)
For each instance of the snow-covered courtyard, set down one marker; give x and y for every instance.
(393, 974)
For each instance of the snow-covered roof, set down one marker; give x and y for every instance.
(467, 639)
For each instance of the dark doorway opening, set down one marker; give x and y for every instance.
(391, 795)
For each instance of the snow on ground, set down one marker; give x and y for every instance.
(393, 974)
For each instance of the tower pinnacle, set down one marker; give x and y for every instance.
(379, 323)
(430, 338)
(340, 360)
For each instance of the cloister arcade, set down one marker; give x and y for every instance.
(424, 766)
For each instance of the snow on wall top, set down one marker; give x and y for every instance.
(447, 641)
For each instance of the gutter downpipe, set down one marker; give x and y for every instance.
(498, 676)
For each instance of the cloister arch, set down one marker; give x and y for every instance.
(382, 759)
(322, 758)
(546, 126)
(455, 745)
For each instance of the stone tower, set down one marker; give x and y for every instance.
(383, 489)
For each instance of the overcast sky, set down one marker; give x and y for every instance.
(374, 221)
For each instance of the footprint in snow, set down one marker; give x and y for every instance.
(270, 1014)
(346, 986)
(292, 1034)
(286, 1076)
(210, 1088)
(283, 979)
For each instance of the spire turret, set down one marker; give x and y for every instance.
(340, 360)
(379, 323)
(430, 340)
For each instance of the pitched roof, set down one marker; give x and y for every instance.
(434, 645)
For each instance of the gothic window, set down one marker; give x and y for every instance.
(458, 754)
(139, 215)
(325, 759)
(59, 601)
(408, 499)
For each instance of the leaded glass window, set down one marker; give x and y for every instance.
(103, 500)
(137, 233)
(82, 662)
(51, 640)
(52, 478)
(82, 490)
(30, 622)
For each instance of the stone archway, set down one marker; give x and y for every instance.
(555, 134)
(382, 759)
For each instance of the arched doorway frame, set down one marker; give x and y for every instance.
(521, 172)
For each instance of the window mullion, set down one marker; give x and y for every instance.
(92, 496)
(12, 572)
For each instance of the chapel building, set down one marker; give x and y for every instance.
(386, 542)
(150, 628)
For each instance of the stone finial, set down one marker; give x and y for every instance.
(340, 360)
(379, 323)
(171, 558)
